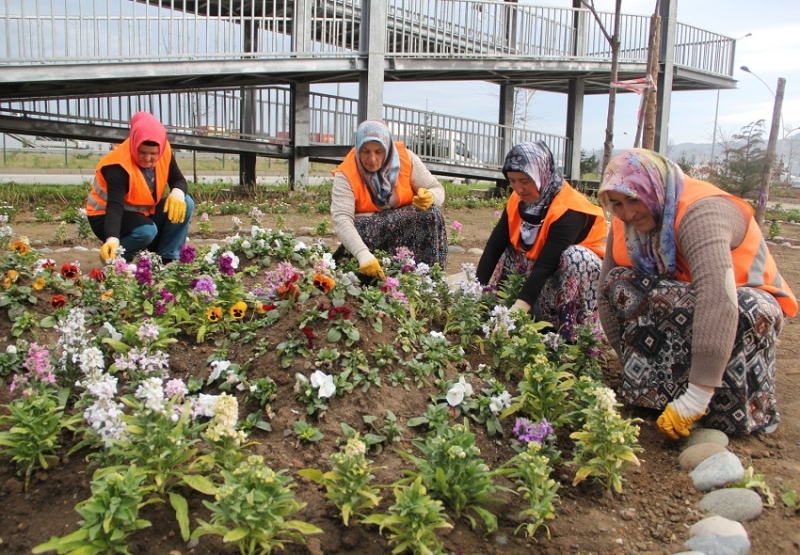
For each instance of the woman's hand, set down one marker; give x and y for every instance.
(423, 199)
(677, 419)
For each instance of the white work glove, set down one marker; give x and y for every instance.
(677, 419)
(369, 265)
(109, 249)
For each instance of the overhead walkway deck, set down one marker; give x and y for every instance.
(177, 50)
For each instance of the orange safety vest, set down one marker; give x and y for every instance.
(566, 199)
(753, 265)
(364, 202)
(138, 198)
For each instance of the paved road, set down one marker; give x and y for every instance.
(78, 179)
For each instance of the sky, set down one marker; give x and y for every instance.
(771, 51)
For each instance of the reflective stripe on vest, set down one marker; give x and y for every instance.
(566, 199)
(753, 265)
(138, 198)
(364, 203)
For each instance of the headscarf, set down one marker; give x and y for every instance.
(145, 127)
(535, 160)
(657, 182)
(381, 183)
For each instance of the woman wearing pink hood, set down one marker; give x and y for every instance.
(127, 205)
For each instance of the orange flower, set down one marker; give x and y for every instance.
(19, 247)
(58, 301)
(323, 283)
(7, 283)
(98, 275)
(39, 284)
(238, 310)
(214, 314)
(262, 308)
(12, 275)
(107, 295)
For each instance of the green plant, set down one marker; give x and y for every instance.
(60, 233)
(452, 472)
(531, 471)
(43, 215)
(758, 483)
(307, 433)
(790, 498)
(251, 508)
(204, 226)
(110, 515)
(413, 520)
(607, 444)
(774, 229)
(347, 484)
(34, 426)
(543, 392)
(323, 227)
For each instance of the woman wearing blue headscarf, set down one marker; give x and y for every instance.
(384, 198)
(553, 235)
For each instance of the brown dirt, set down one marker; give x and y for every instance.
(652, 516)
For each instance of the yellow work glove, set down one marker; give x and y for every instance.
(109, 249)
(175, 206)
(677, 419)
(423, 199)
(372, 268)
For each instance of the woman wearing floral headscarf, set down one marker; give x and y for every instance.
(384, 198)
(554, 235)
(691, 299)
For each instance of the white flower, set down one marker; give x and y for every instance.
(113, 333)
(437, 335)
(246, 244)
(203, 405)
(318, 378)
(455, 395)
(300, 246)
(467, 387)
(500, 402)
(328, 261)
(327, 388)
(11, 349)
(91, 359)
(233, 258)
(152, 394)
(219, 366)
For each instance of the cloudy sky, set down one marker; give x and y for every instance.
(772, 51)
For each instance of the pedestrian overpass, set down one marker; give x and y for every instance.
(236, 76)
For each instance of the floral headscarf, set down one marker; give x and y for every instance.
(657, 182)
(380, 184)
(536, 161)
(145, 127)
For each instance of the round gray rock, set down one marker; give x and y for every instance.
(707, 435)
(717, 470)
(719, 545)
(737, 504)
(717, 526)
(694, 455)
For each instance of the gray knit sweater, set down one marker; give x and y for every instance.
(343, 206)
(709, 230)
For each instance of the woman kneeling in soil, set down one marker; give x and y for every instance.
(384, 198)
(127, 205)
(692, 301)
(551, 233)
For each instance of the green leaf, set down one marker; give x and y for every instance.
(312, 474)
(235, 535)
(181, 507)
(303, 527)
(201, 484)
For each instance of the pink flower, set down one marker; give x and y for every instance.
(497, 213)
(204, 217)
(457, 225)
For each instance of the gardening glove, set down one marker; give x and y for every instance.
(519, 304)
(175, 206)
(677, 419)
(369, 265)
(109, 249)
(423, 199)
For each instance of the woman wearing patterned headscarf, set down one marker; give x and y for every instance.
(384, 198)
(551, 233)
(691, 299)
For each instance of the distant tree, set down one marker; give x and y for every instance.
(687, 164)
(742, 165)
(589, 164)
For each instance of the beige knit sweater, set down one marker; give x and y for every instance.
(710, 229)
(343, 206)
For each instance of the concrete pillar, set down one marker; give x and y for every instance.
(574, 131)
(300, 111)
(373, 46)
(666, 67)
(247, 160)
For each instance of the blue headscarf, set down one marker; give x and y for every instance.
(536, 161)
(380, 184)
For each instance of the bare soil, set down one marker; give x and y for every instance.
(652, 516)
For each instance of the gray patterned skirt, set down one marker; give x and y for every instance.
(656, 345)
(569, 297)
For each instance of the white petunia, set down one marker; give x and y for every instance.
(113, 333)
(300, 246)
(219, 366)
(246, 244)
(467, 387)
(437, 335)
(327, 388)
(317, 378)
(500, 402)
(455, 395)
(11, 349)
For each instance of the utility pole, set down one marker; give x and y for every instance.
(766, 177)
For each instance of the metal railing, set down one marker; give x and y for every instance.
(95, 31)
(446, 140)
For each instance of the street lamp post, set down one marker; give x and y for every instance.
(766, 176)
